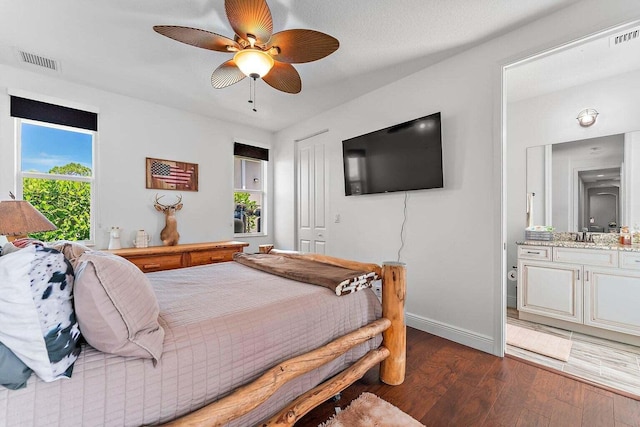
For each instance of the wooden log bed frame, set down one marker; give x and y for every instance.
(391, 354)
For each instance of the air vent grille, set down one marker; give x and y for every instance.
(625, 37)
(39, 61)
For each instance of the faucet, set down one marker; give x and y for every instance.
(583, 236)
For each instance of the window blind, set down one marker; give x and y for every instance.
(50, 113)
(250, 151)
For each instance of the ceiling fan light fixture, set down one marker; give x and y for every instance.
(258, 52)
(253, 62)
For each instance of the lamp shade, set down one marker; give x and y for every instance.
(253, 62)
(19, 218)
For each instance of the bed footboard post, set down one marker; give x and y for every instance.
(265, 249)
(394, 288)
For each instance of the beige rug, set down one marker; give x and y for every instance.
(369, 410)
(539, 342)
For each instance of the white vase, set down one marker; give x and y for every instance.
(114, 238)
(142, 239)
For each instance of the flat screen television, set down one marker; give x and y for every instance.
(403, 157)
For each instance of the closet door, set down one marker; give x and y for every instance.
(313, 186)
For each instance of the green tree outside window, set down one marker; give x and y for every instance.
(67, 204)
(249, 208)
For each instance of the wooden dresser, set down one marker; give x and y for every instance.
(157, 258)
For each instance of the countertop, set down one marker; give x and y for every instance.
(581, 245)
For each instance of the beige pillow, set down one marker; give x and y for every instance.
(116, 308)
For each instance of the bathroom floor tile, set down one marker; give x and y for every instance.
(610, 363)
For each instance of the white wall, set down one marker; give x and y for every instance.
(453, 244)
(128, 131)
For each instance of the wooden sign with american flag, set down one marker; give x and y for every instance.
(171, 175)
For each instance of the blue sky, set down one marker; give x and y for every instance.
(44, 147)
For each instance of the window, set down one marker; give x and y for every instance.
(55, 173)
(250, 167)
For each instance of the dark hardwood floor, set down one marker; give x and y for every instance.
(449, 384)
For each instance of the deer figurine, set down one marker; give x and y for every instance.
(169, 234)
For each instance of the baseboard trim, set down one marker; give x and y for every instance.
(461, 336)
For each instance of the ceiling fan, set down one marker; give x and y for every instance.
(258, 53)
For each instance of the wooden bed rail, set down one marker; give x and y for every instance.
(306, 402)
(248, 397)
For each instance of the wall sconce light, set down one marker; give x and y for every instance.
(587, 117)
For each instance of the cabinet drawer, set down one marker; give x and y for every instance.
(542, 253)
(210, 257)
(600, 258)
(157, 262)
(630, 260)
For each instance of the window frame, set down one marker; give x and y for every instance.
(20, 174)
(264, 193)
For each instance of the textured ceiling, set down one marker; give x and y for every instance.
(111, 45)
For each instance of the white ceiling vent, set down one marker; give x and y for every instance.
(627, 36)
(37, 60)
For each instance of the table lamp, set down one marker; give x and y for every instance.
(19, 218)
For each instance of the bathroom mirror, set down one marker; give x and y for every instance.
(584, 185)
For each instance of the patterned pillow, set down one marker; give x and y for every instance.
(37, 321)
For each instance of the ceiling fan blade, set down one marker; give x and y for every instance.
(284, 77)
(226, 74)
(250, 17)
(196, 37)
(298, 46)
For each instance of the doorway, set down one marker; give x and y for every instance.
(589, 201)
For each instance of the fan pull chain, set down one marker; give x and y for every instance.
(252, 93)
(255, 102)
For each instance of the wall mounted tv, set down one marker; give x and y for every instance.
(403, 157)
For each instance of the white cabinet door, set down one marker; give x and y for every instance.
(550, 289)
(612, 299)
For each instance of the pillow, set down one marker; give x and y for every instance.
(37, 321)
(116, 307)
(13, 372)
(7, 248)
(70, 250)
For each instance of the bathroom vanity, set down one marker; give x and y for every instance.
(585, 287)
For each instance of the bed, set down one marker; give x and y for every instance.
(240, 347)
